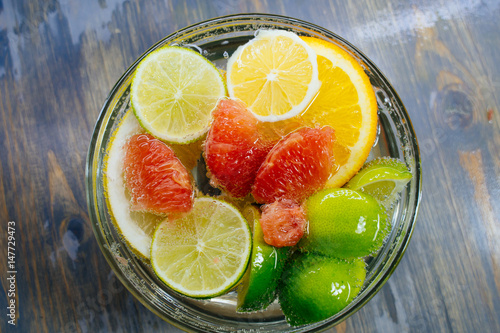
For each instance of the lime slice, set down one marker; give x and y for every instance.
(135, 227)
(382, 178)
(258, 288)
(204, 253)
(173, 93)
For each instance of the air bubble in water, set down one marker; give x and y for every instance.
(195, 47)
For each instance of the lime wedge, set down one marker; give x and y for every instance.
(204, 253)
(173, 93)
(135, 227)
(258, 288)
(382, 178)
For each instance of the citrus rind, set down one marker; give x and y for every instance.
(136, 228)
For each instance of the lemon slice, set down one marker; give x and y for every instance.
(173, 93)
(275, 74)
(135, 227)
(346, 102)
(204, 253)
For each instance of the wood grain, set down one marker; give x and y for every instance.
(59, 59)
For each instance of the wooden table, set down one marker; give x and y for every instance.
(59, 59)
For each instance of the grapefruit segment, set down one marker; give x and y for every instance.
(296, 167)
(283, 223)
(156, 179)
(234, 149)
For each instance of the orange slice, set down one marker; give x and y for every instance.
(346, 102)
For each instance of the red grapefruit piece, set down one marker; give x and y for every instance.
(234, 149)
(283, 223)
(296, 167)
(156, 179)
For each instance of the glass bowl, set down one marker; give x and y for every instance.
(216, 39)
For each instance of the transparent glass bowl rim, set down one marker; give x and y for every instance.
(103, 119)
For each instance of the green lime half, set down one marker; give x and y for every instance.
(344, 223)
(204, 253)
(382, 178)
(174, 91)
(315, 288)
(258, 288)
